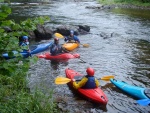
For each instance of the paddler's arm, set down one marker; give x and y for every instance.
(80, 84)
(97, 82)
(66, 39)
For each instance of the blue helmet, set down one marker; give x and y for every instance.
(71, 32)
(25, 37)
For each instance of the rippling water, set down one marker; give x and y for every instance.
(126, 54)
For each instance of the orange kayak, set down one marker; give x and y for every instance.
(70, 46)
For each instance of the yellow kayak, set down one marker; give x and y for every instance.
(70, 46)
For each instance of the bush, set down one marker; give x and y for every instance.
(15, 97)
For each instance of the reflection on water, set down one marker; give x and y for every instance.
(141, 57)
(136, 13)
(126, 54)
(56, 63)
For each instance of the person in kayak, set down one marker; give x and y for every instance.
(87, 82)
(72, 37)
(24, 42)
(56, 48)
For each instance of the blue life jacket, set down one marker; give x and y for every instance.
(75, 38)
(90, 84)
(24, 44)
(54, 47)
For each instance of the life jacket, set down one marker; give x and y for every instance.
(70, 39)
(53, 51)
(24, 44)
(90, 84)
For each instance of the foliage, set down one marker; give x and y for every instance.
(24, 102)
(1, 0)
(14, 94)
(135, 2)
(9, 40)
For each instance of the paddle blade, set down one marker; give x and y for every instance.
(58, 35)
(107, 78)
(85, 45)
(144, 102)
(62, 80)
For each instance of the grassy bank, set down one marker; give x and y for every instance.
(15, 96)
(126, 2)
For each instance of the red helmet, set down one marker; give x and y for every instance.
(56, 39)
(90, 71)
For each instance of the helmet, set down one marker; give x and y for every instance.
(25, 37)
(71, 32)
(56, 39)
(90, 71)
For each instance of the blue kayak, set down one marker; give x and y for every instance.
(135, 91)
(39, 48)
(24, 54)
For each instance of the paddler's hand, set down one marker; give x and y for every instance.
(73, 80)
(64, 50)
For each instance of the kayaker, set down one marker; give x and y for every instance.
(72, 37)
(87, 82)
(24, 41)
(56, 48)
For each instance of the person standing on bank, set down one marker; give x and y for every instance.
(56, 48)
(72, 37)
(87, 82)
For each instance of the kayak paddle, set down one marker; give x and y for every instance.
(64, 80)
(58, 35)
(144, 102)
(85, 45)
(107, 78)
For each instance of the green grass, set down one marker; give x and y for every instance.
(131, 2)
(15, 97)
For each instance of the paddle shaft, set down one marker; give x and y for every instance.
(81, 59)
(64, 80)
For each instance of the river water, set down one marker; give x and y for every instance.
(119, 42)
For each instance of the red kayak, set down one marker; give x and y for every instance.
(62, 56)
(96, 95)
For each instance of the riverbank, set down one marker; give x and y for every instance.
(131, 5)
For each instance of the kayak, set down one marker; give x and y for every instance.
(62, 56)
(37, 49)
(70, 46)
(24, 54)
(95, 95)
(135, 91)
(41, 47)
